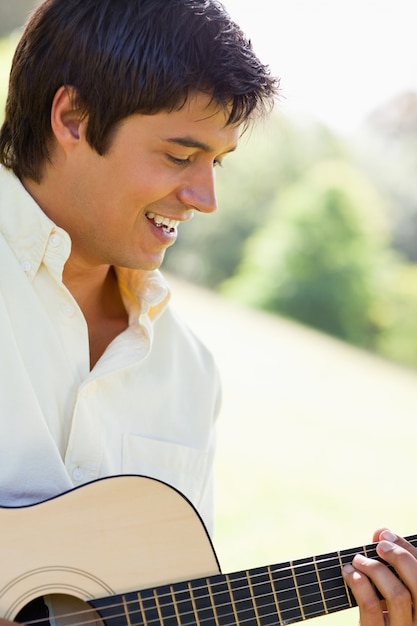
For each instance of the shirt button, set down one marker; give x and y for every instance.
(78, 474)
(68, 310)
(55, 240)
(26, 266)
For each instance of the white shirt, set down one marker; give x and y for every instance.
(147, 407)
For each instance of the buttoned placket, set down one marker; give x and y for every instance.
(85, 449)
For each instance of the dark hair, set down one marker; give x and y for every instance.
(123, 57)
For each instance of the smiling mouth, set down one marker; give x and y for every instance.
(165, 223)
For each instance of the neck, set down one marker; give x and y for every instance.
(97, 294)
(87, 284)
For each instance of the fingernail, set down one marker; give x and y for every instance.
(388, 535)
(348, 569)
(360, 559)
(386, 546)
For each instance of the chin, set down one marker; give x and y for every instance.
(146, 264)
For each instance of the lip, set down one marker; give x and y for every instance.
(163, 235)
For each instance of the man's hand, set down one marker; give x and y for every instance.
(400, 596)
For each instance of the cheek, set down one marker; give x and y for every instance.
(125, 185)
(147, 178)
(100, 188)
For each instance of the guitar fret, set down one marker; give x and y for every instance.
(183, 604)
(309, 591)
(369, 552)
(149, 608)
(223, 600)
(213, 604)
(158, 608)
(335, 590)
(166, 610)
(142, 610)
(229, 586)
(297, 591)
(197, 621)
(119, 611)
(252, 597)
(174, 604)
(274, 595)
(347, 590)
(262, 596)
(255, 608)
(202, 603)
(283, 585)
(126, 610)
(326, 610)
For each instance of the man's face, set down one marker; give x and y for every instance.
(124, 208)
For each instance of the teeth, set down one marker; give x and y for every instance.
(163, 221)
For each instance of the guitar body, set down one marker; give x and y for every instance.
(132, 551)
(108, 537)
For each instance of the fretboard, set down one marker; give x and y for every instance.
(265, 596)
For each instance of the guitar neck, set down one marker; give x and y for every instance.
(275, 594)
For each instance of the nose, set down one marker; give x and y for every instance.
(199, 192)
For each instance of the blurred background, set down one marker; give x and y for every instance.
(304, 284)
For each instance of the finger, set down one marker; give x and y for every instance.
(404, 563)
(377, 534)
(385, 534)
(397, 595)
(370, 608)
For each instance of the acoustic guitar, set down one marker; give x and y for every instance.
(132, 551)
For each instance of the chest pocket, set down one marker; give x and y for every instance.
(180, 466)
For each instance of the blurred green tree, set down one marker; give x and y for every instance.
(399, 322)
(319, 258)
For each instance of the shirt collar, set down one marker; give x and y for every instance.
(27, 230)
(144, 293)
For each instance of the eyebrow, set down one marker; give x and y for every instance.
(189, 142)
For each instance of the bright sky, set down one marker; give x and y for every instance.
(337, 59)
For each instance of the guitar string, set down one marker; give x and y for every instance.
(273, 613)
(344, 604)
(283, 610)
(291, 567)
(286, 619)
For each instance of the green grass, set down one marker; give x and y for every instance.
(316, 440)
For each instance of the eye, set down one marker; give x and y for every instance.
(187, 160)
(178, 161)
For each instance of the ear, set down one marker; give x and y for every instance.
(67, 121)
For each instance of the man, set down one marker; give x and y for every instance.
(118, 112)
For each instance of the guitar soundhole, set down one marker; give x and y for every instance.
(35, 610)
(67, 611)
